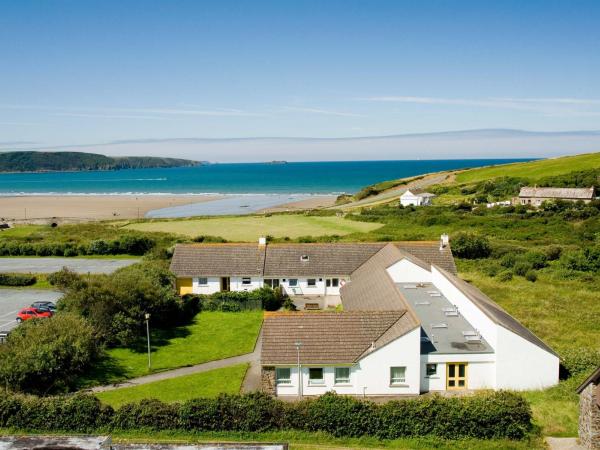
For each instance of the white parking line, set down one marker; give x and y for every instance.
(7, 323)
(12, 313)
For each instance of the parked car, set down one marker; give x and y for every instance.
(44, 306)
(32, 313)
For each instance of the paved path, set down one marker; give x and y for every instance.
(12, 300)
(49, 265)
(563, 444)
(251, 382)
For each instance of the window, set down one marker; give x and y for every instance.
(397, 375)
(304, 258)
(293, 282)
(272, 282)
(203, 281)
(431, 370)
(283, 376)
(342, 375)
(246, 281)
(315, 375)
(335, 282)
(311, 282)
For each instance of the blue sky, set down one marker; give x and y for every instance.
(90, 72)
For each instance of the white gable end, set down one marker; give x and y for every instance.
(405, 271)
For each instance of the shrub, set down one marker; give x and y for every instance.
(470, 246)
(531, 275)
(521, 268)
(505, 275)
(16, 279)
(553, 252)
(147, 414)
(586, 260)
(580, 360)
(64, 279)
(46, 355)
(538, 260)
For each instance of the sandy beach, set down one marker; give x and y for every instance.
(89, 207)
(81, 208)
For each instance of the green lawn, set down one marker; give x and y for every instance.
(532, 170)
(206, 384)
(211, 336)
(250, 228)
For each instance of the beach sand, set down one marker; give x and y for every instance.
(79, 208)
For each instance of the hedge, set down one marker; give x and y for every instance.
(16, 279)
(487, 415)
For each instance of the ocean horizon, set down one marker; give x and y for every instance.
(294, 178)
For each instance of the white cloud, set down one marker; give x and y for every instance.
(325, 112)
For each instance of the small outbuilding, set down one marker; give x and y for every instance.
(589, 411)
(416, 197)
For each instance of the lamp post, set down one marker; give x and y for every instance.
(148, 335)
(298, 346)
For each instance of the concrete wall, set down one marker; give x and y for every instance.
(405, 271)
(521, 365)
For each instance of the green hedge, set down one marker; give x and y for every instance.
(487, 415)
(16, 279)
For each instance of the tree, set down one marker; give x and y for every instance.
(46, 355)
(470, 246)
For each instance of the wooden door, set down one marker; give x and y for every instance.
(456, 376)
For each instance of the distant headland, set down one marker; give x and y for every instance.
(31, 161)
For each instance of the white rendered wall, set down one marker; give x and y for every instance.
(481, 371)
(410, 199)
(405, 271)
(213, 285)
(235, 284)
(522, 365)
(469, 311)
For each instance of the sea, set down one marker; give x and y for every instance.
(303, 178)
(245, 187)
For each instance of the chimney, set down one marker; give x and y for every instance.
(262, 240)
(444, 241)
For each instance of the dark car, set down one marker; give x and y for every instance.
(44, 306)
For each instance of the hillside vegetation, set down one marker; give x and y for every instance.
(28, 161)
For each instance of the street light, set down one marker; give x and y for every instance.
(148, 335)
(298, 345)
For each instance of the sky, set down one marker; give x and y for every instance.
(92, 74)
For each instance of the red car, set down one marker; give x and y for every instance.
(32, 313)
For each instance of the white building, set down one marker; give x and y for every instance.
(416, 197)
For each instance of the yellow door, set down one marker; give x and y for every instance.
(184, 286)
(456, 376)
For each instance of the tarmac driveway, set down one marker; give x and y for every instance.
(12, 300)
(49, 265)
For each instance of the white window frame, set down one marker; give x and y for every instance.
(341, 380)
(313, 284)
(279, 380)
(246, 281)
(316, 381)
(202, 281)
(398, 380)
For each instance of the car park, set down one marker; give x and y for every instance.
(32, 313)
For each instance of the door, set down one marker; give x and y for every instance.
(185, 286)
(456, 376)
(332, 286)
(225, 284)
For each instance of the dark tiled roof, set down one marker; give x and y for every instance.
(552, 192)
(218, 260)
(329, 337)
(494, 311)
(593, 378)
(280, 260)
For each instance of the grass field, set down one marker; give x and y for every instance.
(532, 170)
(211, 336)
(250, 228)
(206, 384)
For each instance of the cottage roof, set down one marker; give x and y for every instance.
(418, 192)
(329, 337)
(279, 260)
(552, 192)
(593, 378)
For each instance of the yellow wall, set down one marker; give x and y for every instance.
(184, 286)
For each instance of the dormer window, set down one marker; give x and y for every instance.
(304, 258)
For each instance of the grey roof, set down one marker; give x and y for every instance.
(329, 337)
(192, 260)
(419, 192)
(281, 260)
(593, 378)
(431, 312)
(494, 311)
(552, 192)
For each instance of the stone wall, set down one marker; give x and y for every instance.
(267, 377)
(589, 417)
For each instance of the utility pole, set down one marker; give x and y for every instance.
(298, 346)
(148, 335)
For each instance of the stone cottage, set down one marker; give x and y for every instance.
(589, 411)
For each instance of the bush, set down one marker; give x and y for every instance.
(470, 246)
(586, 260)
(553, 252)
(521, 268)
(531, 275)
(580, 360)
(16, 279)
(147, 414)
(64, 279)
(47, 355)
(505, 275)
(538, 260)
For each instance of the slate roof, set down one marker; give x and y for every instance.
(494, 311)
(329, 337)
(551, 192)
(593, 378)
(281, 260)
(419, 192)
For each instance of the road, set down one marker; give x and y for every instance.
(12, 300)
(49, 265)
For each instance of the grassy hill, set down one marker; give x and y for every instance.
(28, 161)
(533, 170)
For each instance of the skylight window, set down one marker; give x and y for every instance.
(304, 258)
